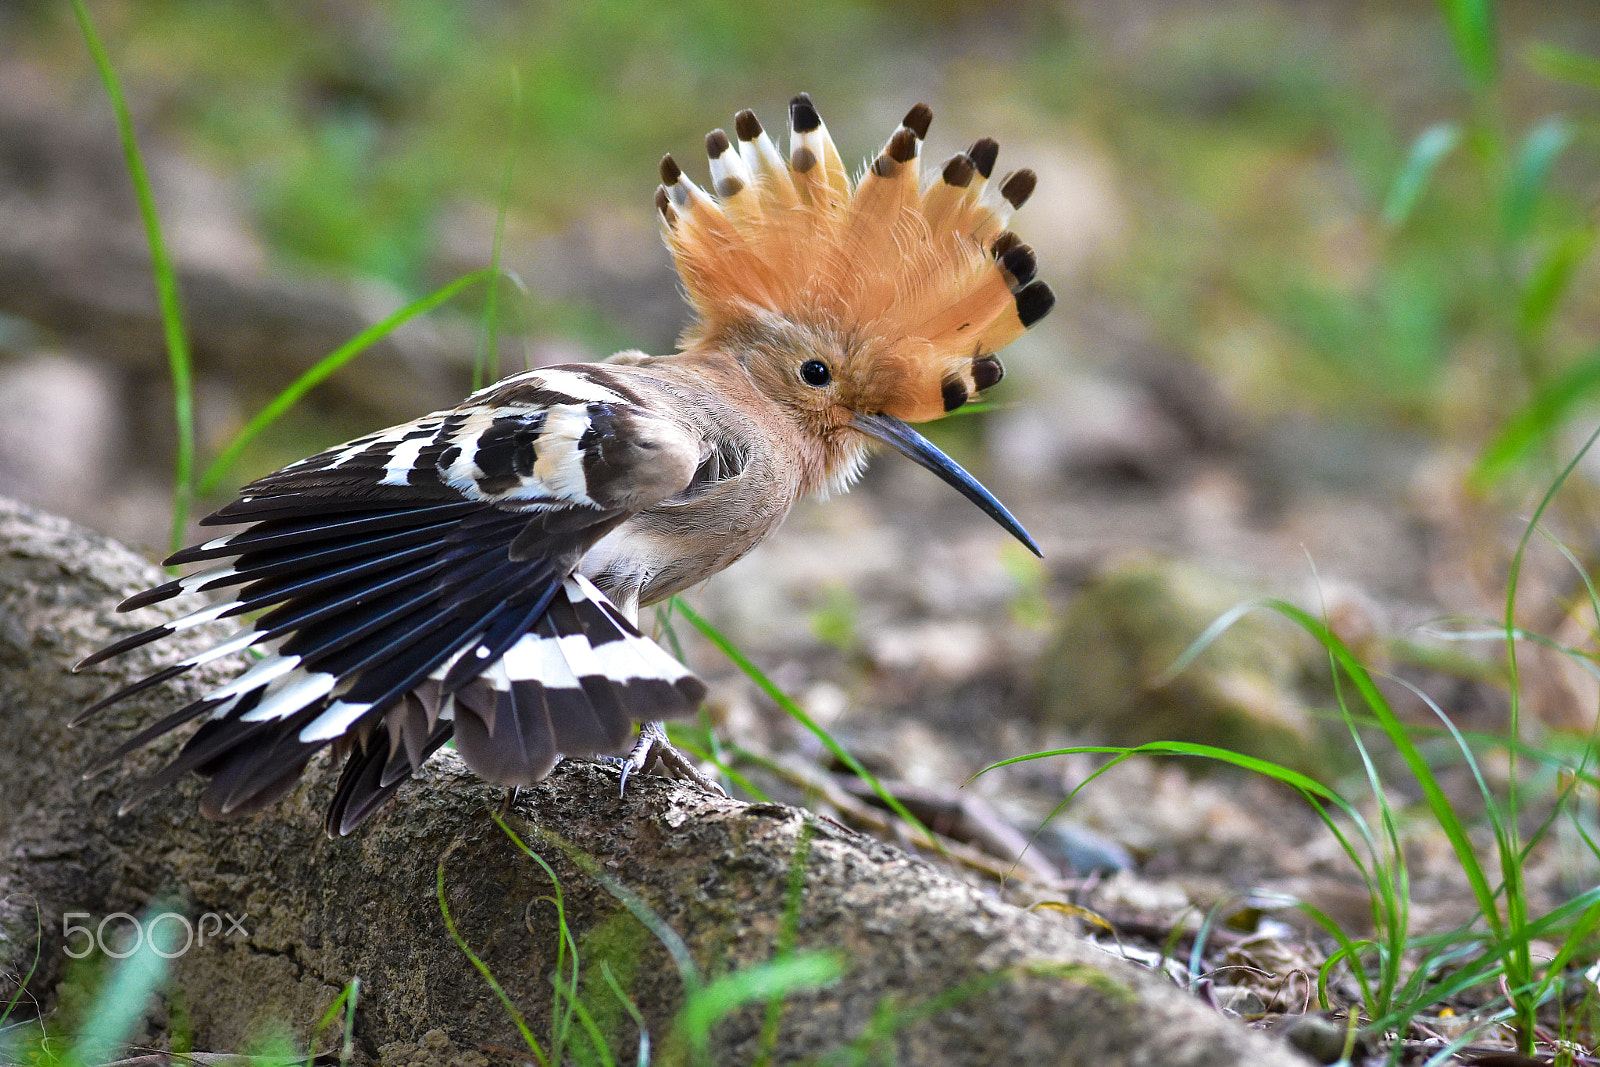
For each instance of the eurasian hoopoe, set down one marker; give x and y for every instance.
(477, 573)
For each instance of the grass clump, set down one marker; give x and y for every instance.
(1490, 962)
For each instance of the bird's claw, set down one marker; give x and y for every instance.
(654, 747)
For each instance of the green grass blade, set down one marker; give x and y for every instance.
(179, 362)
(1491, 808)
(1438, 802)
(1293, 779)
(1551, 280)
(1584, 661)
(326, 366)
(1427, 152)
(486, 361)
(632, 1009)
(796, 712)
(1530, 173)
(712, 749)
(788, 932)
(1481, 973)
(1472, 31)
(1389, 886)
(1198, 646)
(682, 958)
(1576, 939)
(1519, 955)
(1348, 953)
(1563, 64)
(875, 1044)
(566, 943)
(483, 969)
(1538, 420)
(122, 1002)
(722, 757)
(591, 1029)
(1062, 805)
(1449, 1054)
(38, 947)
(345, 1004)
(1364, 832)
(1311, 790)
(798, 972)
(1438, 955)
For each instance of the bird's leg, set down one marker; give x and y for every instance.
(653, 746)
(512, 792)
(653, 743)
(653, 737)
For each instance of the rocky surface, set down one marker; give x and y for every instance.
(669, 887)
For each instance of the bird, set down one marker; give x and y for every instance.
(476, 574)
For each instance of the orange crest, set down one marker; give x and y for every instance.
(925, 272)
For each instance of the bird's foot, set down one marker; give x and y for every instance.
(653, 747)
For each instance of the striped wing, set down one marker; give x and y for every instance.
(419, 583)
(574, 684)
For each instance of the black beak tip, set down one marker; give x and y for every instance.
(908, 442)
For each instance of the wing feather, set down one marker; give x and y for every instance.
(417, 583)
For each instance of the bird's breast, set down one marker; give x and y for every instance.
(683, 541)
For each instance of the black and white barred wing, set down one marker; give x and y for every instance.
(574, 684)
(419, 583)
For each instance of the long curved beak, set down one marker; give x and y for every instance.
(923, 452)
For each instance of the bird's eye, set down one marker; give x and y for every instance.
(815, 372)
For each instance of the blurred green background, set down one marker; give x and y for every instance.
(1380, 214)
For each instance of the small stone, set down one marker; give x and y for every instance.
(1319, 1037)
(397, 1054)
(1108, 672)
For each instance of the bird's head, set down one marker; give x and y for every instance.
(859, 307)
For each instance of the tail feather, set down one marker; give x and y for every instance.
(371, 775)
(411, 725)
(242, 786)
(364, 617)
(246, 779)
(145, 736)
(200, 752)
(574, 684)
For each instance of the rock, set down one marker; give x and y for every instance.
(1105, 676)
(981, 981)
